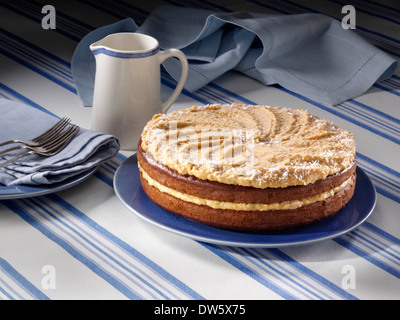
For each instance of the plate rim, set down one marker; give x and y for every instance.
(52, 188)
(237, 243)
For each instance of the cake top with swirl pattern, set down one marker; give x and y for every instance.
(249, 145)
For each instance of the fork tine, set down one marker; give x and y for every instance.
(54, 129)
(60, 138)
(65, 140)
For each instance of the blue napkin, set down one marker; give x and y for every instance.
(87, 150)
(309, 54)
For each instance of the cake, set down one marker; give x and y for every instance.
(247, 167)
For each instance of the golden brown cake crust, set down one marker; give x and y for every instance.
(251, 220)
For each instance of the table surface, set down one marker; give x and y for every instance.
(83, 243)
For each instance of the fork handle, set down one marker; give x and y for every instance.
(12, 149)
(16, 158)
(8, 142)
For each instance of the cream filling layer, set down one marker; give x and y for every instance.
(294, 204)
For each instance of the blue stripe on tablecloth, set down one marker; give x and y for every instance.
(280, 276)
(4, 292)
(11, 94)
(119, 9)
(372, 255)
(310, 283)
(323, 283)
(373, 114)
(58, 64)
(207, 5)
(392, 254)
(386, 180)
(391, 85)
(262, 279)
(381, 233)
(17, 280)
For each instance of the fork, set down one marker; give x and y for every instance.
(46, 137)
(42, 138)
(51, 148)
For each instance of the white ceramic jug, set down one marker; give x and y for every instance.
(127, 90)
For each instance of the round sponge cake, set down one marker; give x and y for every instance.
(247, 167)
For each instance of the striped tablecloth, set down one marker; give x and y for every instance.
(83, 243)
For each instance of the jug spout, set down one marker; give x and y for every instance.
(100, 46)
(125, 43)
(96, 45)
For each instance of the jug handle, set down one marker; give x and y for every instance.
(169, 53)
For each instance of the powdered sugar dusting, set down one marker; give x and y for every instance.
(259, 146)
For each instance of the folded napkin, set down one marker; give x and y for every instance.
(87, 150)
(309, 54)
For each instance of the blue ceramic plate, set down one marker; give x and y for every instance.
(28, 191)
(129, 191)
